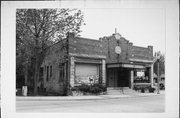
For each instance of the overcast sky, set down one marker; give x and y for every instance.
(141, 26)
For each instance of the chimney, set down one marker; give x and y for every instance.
(150, 47)
(130, 44)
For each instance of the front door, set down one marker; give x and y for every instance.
(118, 77)
(112, 77)
(123, 77)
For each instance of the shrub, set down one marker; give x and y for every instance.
(162, 86)
(84, 88)
(136, 88)
(142, 90)
(93, 89)
(75, 88)
(151, 90)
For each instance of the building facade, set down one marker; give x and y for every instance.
(112, 61)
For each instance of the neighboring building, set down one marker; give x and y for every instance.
(112, 61)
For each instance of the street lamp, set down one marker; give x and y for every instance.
(157, 55)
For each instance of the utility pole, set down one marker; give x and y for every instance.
(158, 77)
(157, 55)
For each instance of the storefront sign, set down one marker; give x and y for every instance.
(126, 66)
(140, 74)
(132, 66)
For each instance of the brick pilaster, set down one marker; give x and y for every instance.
(103, 72)
(151, 75)
(72, 69)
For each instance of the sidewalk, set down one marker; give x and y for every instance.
(76, 98)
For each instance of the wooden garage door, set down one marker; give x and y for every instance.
(85, 71)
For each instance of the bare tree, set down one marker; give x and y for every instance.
(161, 63)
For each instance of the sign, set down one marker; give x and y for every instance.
(118, 49)
(126, 66)
(140, 74)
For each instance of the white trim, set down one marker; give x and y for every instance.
(125, 66)
(140, 60)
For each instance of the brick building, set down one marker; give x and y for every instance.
(112, 61)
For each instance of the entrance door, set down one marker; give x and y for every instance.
(112, 77)
(123, 77)
(118, 77)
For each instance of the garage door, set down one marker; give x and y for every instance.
(85, 72)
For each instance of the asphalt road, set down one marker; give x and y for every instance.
(134, 104)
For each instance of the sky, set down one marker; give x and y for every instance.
(141, 26)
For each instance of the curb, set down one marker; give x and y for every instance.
(80, 98)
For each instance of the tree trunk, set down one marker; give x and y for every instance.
(36, 66)
(35, 78)
(36, 74)
(26, 75)
(38, 62)
(39, 57)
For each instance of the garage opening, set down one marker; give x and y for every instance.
(86, 73)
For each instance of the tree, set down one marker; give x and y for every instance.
(161, 63)
(37, 29)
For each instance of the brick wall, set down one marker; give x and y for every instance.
(128, 51)
(143, 53)
(109, 44)
(54, 57)
(83, 50)
(72, 71)
(85, 46)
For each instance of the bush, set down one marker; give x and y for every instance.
(151, 90)
(162, 87)
(92, 89)
(142, 90)
(84, 88)
(95, 90)
(75, 88)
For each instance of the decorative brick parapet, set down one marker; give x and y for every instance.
(72, 71)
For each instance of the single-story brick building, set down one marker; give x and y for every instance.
(112, 61)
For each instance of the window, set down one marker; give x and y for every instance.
(61, 73)
(47, 77)
(50, 71)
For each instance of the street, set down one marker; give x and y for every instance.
(132, 104)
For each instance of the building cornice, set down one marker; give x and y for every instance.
(88, 56)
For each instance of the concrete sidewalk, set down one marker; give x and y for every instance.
(89, 97)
